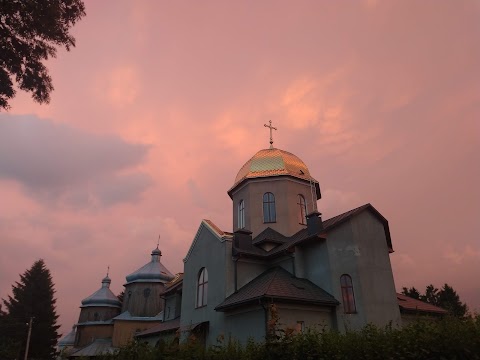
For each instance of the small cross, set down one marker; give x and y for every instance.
(158, 242)
(108, 269)
(271, 128)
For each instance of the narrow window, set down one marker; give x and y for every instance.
(347, 294)
(202, 288)
(241, 214)
(302, 210)
(269, 214)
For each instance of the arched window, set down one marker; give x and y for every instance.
(269, 214)
(302, 210)
(348, 296)
(241, 214)
(202, 288)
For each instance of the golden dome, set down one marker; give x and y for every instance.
(273, 162)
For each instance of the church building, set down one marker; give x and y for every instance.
(281, 259)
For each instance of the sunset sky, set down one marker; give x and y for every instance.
(161, 102)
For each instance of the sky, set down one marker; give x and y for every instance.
(160, 104)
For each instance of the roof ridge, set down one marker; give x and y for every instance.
(275, 271)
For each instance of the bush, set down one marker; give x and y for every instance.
(449, 338)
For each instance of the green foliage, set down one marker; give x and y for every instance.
(33, 297)
(30, 31)
(446, 298)
(449, 338)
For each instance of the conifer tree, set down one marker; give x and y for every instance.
(33, 298)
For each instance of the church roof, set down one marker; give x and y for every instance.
(274, 162)
(152, 272)
(102, 297)
(411, 305)
(279, 285)
(97, 347)
(164, 326)
(128, 317)
(286, 243)
(69, 339)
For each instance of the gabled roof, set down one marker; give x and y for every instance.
(214, 229)
(286, 243)
(411, 305)
(339, 219)
(269, 235)
(279, 285)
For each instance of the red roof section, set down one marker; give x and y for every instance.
(409, 304)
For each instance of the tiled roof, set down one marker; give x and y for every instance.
(219, 231)
(408, 304)
(277, 284)
(269, 235)
(164, 326)
(273, 162)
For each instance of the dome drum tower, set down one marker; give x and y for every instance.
(273, 189)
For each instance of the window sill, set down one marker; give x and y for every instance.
(199, 307)
(269, 222)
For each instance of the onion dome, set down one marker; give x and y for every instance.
(152, 272)
(274, 162)
(103, 296)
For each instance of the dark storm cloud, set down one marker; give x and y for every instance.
(53, 160)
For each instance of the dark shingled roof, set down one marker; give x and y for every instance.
(411, 305)
(279, 285)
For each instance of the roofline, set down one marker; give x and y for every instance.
(237, 185)
(375, 212)
(205, 224)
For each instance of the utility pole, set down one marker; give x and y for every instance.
(28, 337)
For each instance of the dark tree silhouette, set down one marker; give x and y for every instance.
(446, 298)
(30, 32)
(33, 297)
(411, 292)
(449, 300)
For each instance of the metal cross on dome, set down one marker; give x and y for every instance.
(271, 128)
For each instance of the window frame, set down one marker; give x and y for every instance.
(302, 214)
(241, 214)
(348, 294)
(202, 288)
(269, 210)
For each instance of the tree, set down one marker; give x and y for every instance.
(30, 31)
(449, 300)
(412, 292)
(446, 298)
(33, 297)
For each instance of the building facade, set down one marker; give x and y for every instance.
(281, 264)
